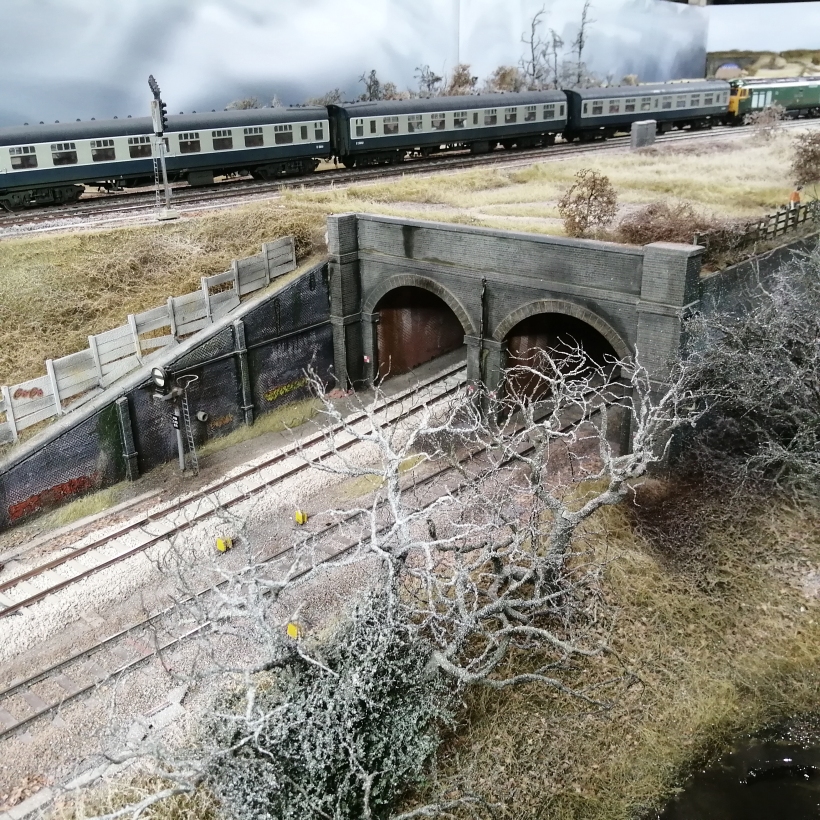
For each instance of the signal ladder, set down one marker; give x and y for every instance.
(185, 382)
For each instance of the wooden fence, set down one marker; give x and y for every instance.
(75, 379)
(736, 238)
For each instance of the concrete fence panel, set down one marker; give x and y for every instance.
(76, 376)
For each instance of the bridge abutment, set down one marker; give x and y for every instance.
(632, 297)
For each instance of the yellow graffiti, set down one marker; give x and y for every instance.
(284, 389)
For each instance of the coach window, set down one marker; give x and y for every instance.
(707, 99)
(510, 116)
(549, 112)
(646, 103)
(391, 125)
(614, 106)
(460, 119)
(189, 143)
(475, 117)
(373, 126)
(139, 147)
(629, 105)
(694, 101)
(586, 108)
(491, 116)
(597, 107)
(437, 122)
(359, 126)
(102, 151)
(64, 153)
(561, 109)
(530, 113)
(23, 156)
(283, 134)
(253, 137)
(223, 140)
(666, 102)
(414, 123)
(319, 131)
(680, 102)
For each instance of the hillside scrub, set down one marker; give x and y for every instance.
(55, 291)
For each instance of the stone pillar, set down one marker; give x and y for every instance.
(244, 371)
(345, 298)
(370, 347)
(129, 451)
(474, 350)
(669, 289)
(494, 362)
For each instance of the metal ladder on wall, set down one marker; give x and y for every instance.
(185, 382)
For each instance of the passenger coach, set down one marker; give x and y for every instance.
(49, 163)
(375, 133)
(601, 112)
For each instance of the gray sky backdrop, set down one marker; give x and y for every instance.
(64, 59)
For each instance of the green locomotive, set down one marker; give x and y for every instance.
(800, 96)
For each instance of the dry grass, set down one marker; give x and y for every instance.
(283, 418)
(55, 291)
(112, 796)
(715, 635)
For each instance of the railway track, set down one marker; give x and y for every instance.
(44, 692)
(118, 654)
(184, 513)
(122, 207)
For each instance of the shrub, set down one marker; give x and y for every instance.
(663, 221)
(806, 161)
(341, 737)
(590, 202)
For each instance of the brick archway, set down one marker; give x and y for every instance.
(560, 306)
(416, 281)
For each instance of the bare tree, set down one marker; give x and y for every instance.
(589, 203)
(534, 63)
(429, 82)
(767, 121)
(556, 44)
(579, 44)
(806, 160)
(372, 86)
(505, 78)
(243, 104)
(329, 98)
(760, 365)
(461, 82)
(471, 572)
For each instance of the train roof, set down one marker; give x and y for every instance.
(431, 104)
(644, 90)
(133, 126)
(786, 82)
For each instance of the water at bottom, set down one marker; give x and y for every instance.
(776, 777)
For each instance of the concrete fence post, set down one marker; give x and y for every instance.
(4, 391)
(172, 317)
(129, 452)
(244, 370)
(95, 353)
(206, 295)
(132, 323)
(52, 377)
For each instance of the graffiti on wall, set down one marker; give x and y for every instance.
(52, 496)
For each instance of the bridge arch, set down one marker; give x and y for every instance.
(565, 308)
(415, 281)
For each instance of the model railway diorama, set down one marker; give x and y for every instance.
(50, 163)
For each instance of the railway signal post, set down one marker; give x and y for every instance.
(159, 112)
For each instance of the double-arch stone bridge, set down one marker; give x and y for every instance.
(405, 291)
